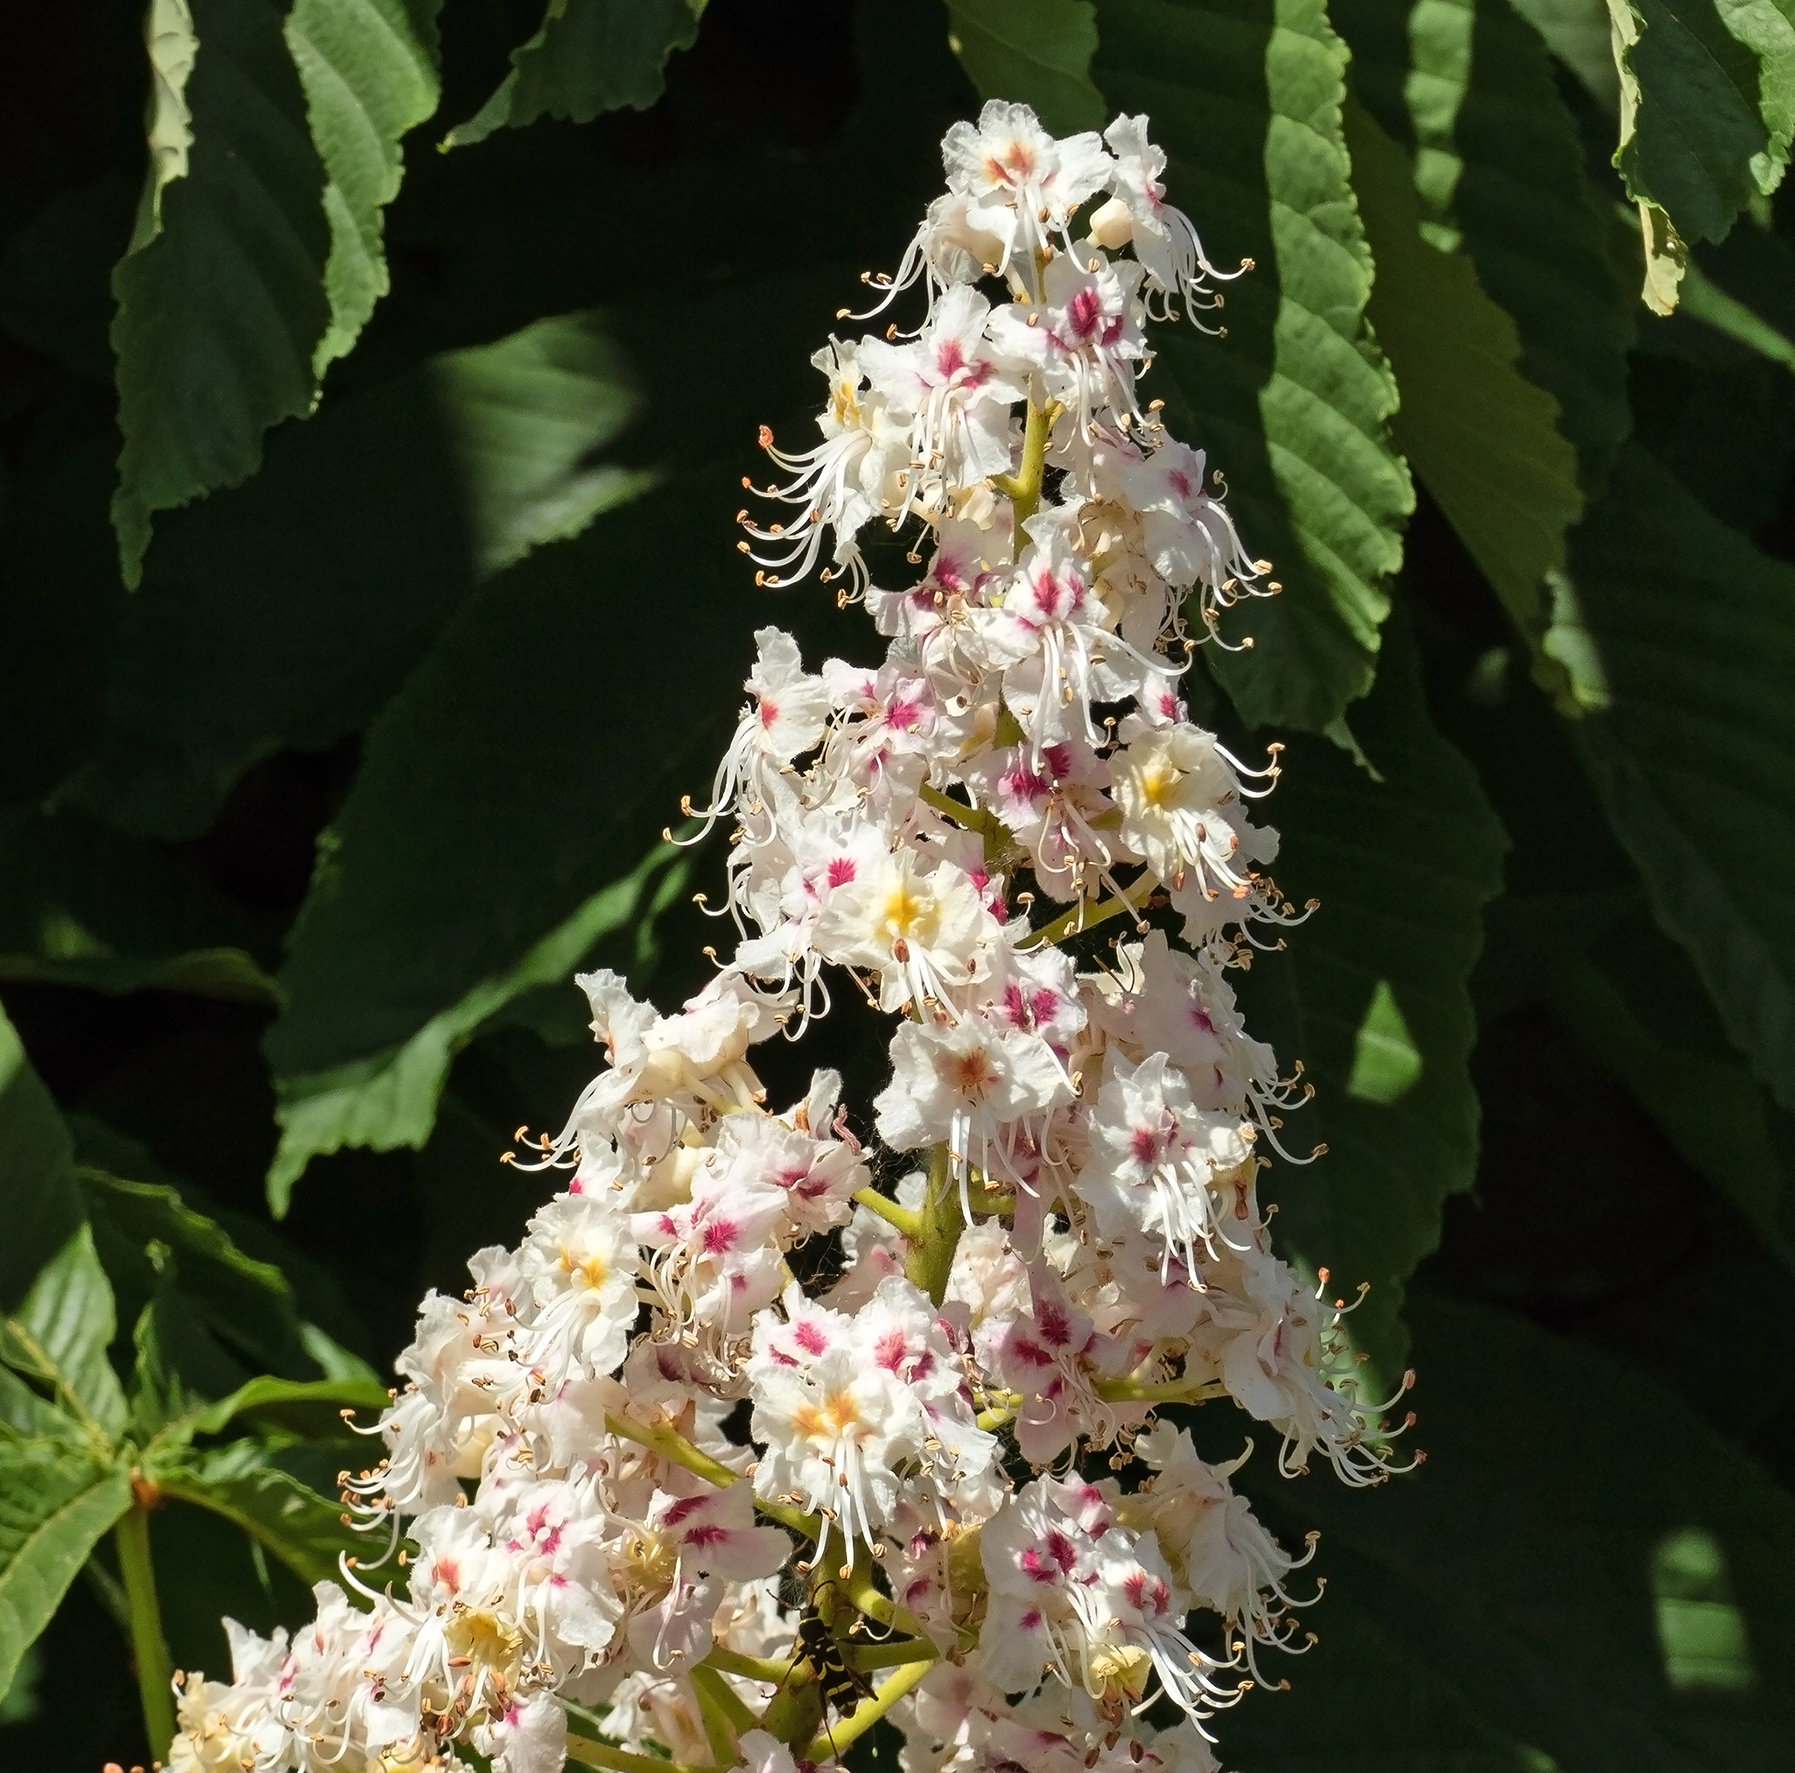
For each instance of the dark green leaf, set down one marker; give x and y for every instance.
(1707, 113)
(1397, 916)
(246, 1304)
(1035, 50)
(1695, 760)
(304, 1530)
(369, 72)
(1508, 170)
(55, 1507)
(37, 1175)
(221, 301)
(286, 613)
(1706, 1103)
(1537, 1586)
(520, 857)
(390, 1099)
(1294, 404)
(1484, 440)
(1578, 32)
(312, 1409)
(81, 905)
(587, 57)
(60, 1332)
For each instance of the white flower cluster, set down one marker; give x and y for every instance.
(590, 1533)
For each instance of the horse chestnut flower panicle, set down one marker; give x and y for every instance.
(646, 1472)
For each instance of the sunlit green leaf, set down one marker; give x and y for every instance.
(1294, 403)
(1517, 194)
(221, 301)
(588, 56)
(1385, 1063)
(369, 72)
(59, 1333)
(1484, 440)
(54, 1508)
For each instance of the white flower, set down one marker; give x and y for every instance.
(1082, 337)
(1076, 1594)
(1181, 809)
(580, 1266)
(924, 934)
(959, 391)
(1222, 1557)
(1020, 185)
(1051, 636)
(842, 484)
(1156, 1159)
(1162, 237)
(970, 1084)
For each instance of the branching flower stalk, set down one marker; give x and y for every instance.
(650, 1475)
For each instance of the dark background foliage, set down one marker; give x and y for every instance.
(308, 830)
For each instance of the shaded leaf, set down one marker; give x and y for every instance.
(245, 1303)
(310, 1408)
(1707, 95)
(55, 1507)
(1517, 194)
(390, 1099)
(1706, 1103)
(1695, 761)
(286, 613)
(1036, 50)
(1483, 439)
(1370, 1209)
(82, 906)
(304, 1530)
(588, 56)
(1294, 404)
(1544, 1614)
(369, 72)
(1579, 34)
(37, 1174)
(519, 858)
(221, 300)
(59, 1334)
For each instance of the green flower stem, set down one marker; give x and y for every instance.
(972, 818)
(867, 1713)
(931, 1255)
(1170, 1391)
(753, 1668)
(149, 1649)
(725, 1716)
(677, 1450)
(601, 1754)
(909, 1223)
(890, 1654)
(1078, 919)
(1023, 488)
(797, 1708)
